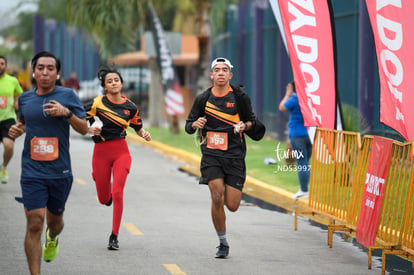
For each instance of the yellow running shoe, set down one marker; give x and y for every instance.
(50, 248)
(2, 173)
(5, 175)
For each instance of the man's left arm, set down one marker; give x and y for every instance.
(253, 127)
(249, 117)
(71, 113)
(78, 124)
(16, 102)
(17, 92)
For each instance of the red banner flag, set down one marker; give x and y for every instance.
(394, 41)
(377, 172)
(307, 27)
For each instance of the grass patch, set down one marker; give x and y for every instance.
(257, 151)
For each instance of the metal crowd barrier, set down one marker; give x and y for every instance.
(395, 229)
(337, 183)
(334, 163)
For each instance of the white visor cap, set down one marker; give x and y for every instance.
(221, 60)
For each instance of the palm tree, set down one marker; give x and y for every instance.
(115, 24)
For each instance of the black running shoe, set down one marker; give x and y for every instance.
(113, 242)
(223, 251)
(109, 202)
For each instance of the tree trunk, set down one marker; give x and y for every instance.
(156, 98)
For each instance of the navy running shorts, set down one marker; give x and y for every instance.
(50, 193)
(233, 171)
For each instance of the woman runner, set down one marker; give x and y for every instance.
(111, 157)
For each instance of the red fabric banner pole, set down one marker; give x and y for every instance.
(375, 181)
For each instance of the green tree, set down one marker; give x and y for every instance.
(53, 9)
(23, 37)
(115, 24)
(22, 31)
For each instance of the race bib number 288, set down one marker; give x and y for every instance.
(44, 148)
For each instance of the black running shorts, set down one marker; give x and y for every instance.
(233, 171)
(4, 128)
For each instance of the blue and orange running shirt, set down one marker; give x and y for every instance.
(47, 134)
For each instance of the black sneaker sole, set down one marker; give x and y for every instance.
(113, 247)
(109, 203)
(222, 253)
(221, 256)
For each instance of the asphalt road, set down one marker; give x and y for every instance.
(167, 228)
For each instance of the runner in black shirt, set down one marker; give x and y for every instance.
(222, 114)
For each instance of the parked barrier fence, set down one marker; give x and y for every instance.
(334, 161)
(337, 184)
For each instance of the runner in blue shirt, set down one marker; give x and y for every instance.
(45, 115)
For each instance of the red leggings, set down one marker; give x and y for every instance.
(111, 155)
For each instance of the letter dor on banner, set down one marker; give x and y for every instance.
(308, 33)
(392, 23)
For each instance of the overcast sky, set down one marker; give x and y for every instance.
(8, 11)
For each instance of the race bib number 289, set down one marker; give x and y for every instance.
(44, 148)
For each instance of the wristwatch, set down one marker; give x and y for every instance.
(69, 114)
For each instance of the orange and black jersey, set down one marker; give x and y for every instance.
(221, 113)
(218, 137)
(115, 116)
(223, 109)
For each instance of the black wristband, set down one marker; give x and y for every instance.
(69, 114)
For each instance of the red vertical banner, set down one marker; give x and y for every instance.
(375, 181)
(307, 27)
(392, 23)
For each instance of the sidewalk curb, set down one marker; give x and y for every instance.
(253, 187)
